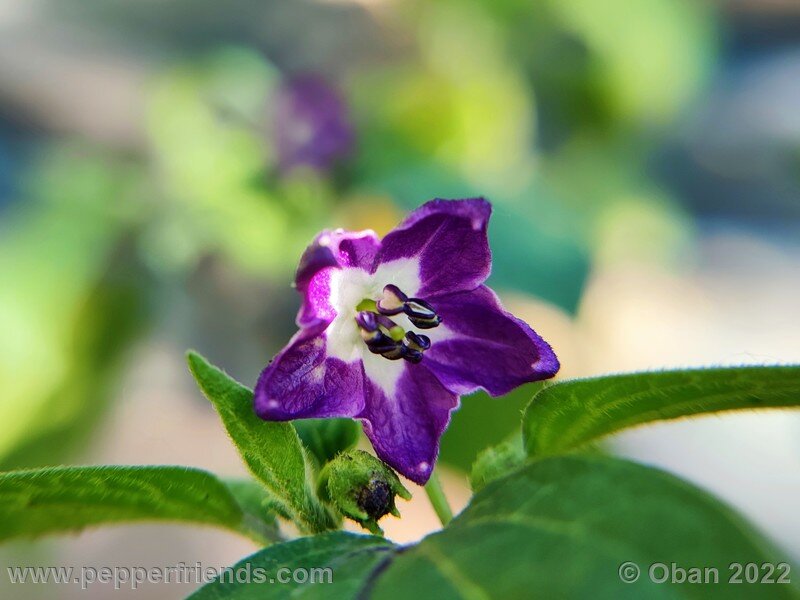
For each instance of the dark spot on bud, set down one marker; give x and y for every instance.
(376, 498)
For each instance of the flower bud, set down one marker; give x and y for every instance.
(362, 488)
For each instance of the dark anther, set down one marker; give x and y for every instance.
(417, 342)
(396, 352)
(421, 314)
(384, 345)
(374, 330)
(367, 321)
(415, 345)
(392, 302)
(412, 356)
(383, 336)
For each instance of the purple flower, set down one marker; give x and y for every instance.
(311, 125)
(393, 331)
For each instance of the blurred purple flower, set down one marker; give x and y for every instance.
(393, 331)
(311, 124)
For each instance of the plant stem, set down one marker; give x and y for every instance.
(438, 500)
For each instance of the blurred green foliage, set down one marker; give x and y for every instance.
(209, 134)
(483, 421)
(69, 304)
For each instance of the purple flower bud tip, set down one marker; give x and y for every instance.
(311, 125)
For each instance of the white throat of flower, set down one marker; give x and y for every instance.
(349, 287)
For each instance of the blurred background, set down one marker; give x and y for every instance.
(163, 165)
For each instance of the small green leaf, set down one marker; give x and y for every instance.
(561, 527)
(64, 499)
(325, 438)
(568, 415)
(271, 450)
(335, 565)
(497, 461)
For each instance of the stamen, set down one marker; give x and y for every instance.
(367, 321)
(417, 342)
(396, 353)
(392, 302)
(382, 344)
(421, 314)
(392, 329)
(378, 333)
(385, 337)
(412, 356)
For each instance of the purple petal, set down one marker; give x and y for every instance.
(405, 426)
(486, 346)
(304, 382)
(449, 239)
(329, 250)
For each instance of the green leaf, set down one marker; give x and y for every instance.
(350, 561)
(562, 526)
(568, 415)
(65, 499)
(271, 450)
(256, 504)
(325, 438)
